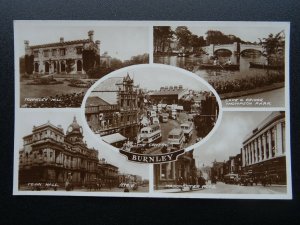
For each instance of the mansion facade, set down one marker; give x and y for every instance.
(50, 155)
(63, 57)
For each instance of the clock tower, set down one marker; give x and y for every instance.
(74, 132)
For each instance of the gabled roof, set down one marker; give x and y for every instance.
(95, 101)
(109, 84)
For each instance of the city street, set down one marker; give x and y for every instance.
(77, 189)
(222, 188)
(166, 127)
(171, 124)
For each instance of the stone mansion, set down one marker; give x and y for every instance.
(63, 57)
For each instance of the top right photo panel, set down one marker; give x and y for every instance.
(246, 63)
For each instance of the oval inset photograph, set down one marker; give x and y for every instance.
(152, 109)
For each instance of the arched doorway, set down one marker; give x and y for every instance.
(36, 67)
(63, 67)
(79, 66)
(46, 67)
(58, 67)
(54, 67)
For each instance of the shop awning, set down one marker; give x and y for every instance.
(113, 138)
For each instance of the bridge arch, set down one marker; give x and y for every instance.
(251, 50)
(223, 50)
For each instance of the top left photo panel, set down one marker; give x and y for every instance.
(56, 62)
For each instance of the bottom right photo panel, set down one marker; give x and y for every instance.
(246, 155)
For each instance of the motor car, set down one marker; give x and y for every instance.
(246, 180)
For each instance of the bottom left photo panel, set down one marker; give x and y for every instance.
(55, 153)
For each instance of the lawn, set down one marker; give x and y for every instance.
(39, 91)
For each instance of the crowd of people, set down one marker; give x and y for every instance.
(247, 83)
(58, 101)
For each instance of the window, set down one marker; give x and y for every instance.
(164, 171)
(46, 53)
(283, 137)
(273, 147)
(79, 50)
(62, 51)
(36, 53)
(54, 52)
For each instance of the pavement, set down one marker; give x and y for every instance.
(222, 188)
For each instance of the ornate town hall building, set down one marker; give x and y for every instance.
(49, 155)
(63, 57)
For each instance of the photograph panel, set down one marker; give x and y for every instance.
(246, 156)
(152, 110)
(245, 62)
(59, 61)
(56, 154)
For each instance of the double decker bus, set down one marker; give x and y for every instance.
(150, 134)
(187, 128)
(176, 138)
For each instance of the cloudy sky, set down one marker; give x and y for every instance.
(120, 42)
(65, 118)
(228, 138)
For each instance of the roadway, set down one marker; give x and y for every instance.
(222, 188)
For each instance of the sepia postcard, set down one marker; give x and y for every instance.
(158, 109)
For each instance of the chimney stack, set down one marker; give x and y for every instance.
(26, 43)
(91, 35)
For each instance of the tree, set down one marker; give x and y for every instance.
(163, 36)
(197, 42)
(217, 37)
(116, 64)
(29, 64)
(88, 58)
(272, 45)
(184, 37)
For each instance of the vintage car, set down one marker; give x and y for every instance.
(246, 180)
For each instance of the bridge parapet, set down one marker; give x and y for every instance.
(211, 49)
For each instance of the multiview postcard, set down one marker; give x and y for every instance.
(158, 109)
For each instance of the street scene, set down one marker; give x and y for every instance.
(238, 62)
(151, 118)
(60, 158)
(58, 63)
(221, 188)
(248, 160)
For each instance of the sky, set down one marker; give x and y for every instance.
(247, 32)
(228, 138)
(153, 77)
(65, 118)
(120, 42)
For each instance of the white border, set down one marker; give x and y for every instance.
(150, 24)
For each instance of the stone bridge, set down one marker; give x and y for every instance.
(235, 48)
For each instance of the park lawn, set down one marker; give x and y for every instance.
(39, 91)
